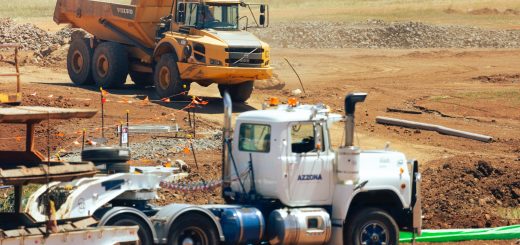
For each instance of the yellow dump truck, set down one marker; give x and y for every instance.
(167, 43)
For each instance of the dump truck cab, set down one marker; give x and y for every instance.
(167, 44)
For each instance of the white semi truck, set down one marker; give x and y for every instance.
(283, 183)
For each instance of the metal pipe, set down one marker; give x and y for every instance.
(433, 127)
(350, 109)
(226, 137)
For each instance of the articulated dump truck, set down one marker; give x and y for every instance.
(166, 43)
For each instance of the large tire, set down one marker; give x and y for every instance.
(195, 228)
(167, 79)
(371, 226)
(142, 79)
(79, 62)
(110, 65)
(238, 92)
(105, 154)
(144, 232)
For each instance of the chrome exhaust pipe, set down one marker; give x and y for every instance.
(226, 137)
(350, 109)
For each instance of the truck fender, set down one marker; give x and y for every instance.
(112, 212)
(377, 193)
(351, 198)
(164, 48)
(164, 219)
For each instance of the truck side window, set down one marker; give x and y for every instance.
(303, 138)
(189, 14)
(254, 138)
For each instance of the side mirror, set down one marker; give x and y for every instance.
(262, 9)
(262, 20)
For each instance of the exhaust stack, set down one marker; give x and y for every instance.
(226, 137)
(350, 109)
(348, 156)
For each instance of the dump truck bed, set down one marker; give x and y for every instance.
(139, 20)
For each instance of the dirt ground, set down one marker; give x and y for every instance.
(466, 183)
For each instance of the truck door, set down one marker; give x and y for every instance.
(309, 165)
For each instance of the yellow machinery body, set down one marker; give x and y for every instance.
(136, 24)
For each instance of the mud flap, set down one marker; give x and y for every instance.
(416, 200)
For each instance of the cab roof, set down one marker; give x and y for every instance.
(288, 114)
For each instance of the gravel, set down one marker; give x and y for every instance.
(381, 34)
(164, 147)
(32, 38)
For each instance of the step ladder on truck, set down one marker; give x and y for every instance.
(28, 166)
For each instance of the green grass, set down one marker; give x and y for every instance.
(33, 8)
(509, 95)
(430, 11)
(509, 213)
(7, 201)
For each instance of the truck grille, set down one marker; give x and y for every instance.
(245, 57)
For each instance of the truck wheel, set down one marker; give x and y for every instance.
(238, 92)
(144, 232)
(167, 79)
(371, 226)
(110, 65)
(142, 79)
(193, 229)
(79, 60)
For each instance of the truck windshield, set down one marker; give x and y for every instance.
(218, 16)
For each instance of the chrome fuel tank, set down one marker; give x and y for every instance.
(299, 226)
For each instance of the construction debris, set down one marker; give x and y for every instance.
(433, 127)
(402, 111)
(32, 38)
(382, 34)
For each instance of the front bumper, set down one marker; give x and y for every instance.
(222, 74)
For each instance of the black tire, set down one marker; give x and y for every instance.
(141, 79)
(105, 154)
(117, 167)
(238, 92)
(373, 226)
(110, 65)
(195, 227)
(79, 62)
(144, 232)
(167, 79)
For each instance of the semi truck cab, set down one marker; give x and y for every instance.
(284, 155)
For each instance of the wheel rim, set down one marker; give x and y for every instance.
(374, 233)
(193, 236)
(77, 61)
(164, 77)
(102, 65)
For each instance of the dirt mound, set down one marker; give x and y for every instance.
(493, 11)
(461, 192)
(273, 83)
(32, 38)
(381, 34)
(499, 78)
